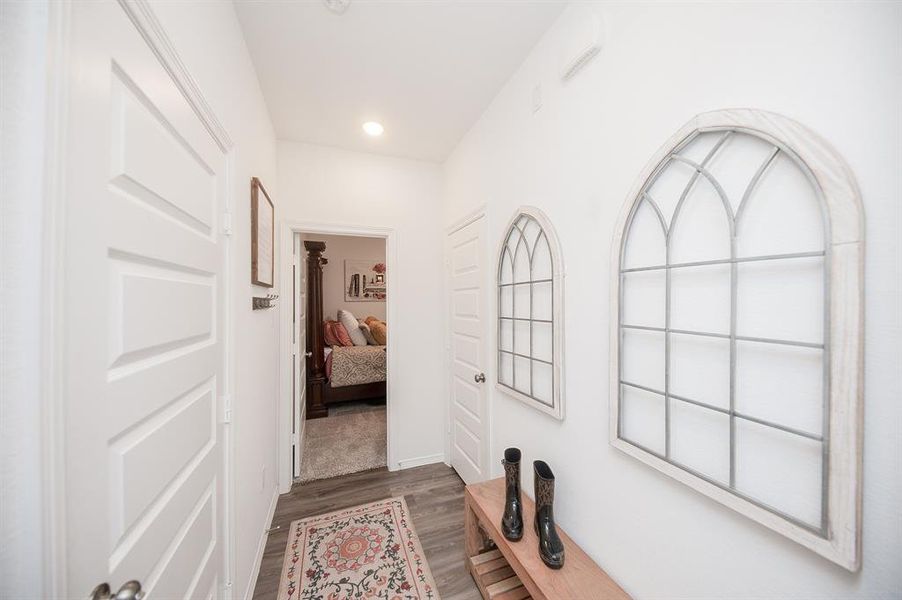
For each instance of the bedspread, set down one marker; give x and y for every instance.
(354, 365)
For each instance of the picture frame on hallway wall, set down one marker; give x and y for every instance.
(262, 235)
(365, 280)
(692, 361)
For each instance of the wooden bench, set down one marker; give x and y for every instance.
(506, 570)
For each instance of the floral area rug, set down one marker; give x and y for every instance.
(368, 551)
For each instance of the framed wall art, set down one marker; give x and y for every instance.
(530, 313)
(365, 280)
(262, 235)
(736, 355)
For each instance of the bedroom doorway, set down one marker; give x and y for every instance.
(336, 408)
(345, 359)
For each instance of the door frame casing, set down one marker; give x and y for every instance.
(288, 229)
(52, 339)
(480, 212)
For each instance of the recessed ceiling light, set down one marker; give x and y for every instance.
(337, 6)
(373, 128)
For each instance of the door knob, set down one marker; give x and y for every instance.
(308, 354)
(131, 590)
(479, 378)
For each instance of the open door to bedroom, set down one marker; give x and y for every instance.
(298, 352)
(342, 293)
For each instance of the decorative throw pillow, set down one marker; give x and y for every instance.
(341, 332)
(379, 330)
(329, 336)
(370, 341)
(347, 318)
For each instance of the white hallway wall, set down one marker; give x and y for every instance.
(338, 249)
(23, 36)
(836, 68)
(209, 39)
(327, 185)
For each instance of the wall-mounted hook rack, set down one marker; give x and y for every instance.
(261, 302)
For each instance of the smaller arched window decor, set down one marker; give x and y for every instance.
(530, 308)
(737, 312)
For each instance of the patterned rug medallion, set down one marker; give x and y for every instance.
(368, 551)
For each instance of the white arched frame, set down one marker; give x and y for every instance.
(529, 313)
(835, 532)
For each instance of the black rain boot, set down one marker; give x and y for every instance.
(512, 521)
(551, 548)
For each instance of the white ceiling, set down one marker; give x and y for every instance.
(425, 69)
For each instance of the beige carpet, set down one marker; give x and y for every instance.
(345, 443)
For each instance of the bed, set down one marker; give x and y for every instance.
(335, 374)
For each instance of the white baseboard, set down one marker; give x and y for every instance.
(261, 546)
(409, 463)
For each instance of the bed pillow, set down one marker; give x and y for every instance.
(379, 330)
(344, 339)
(347, 318)
(329, 336)
(370, 340)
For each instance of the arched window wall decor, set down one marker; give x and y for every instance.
(736, 337)
(529, 315)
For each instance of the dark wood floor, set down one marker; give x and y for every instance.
(434, 494)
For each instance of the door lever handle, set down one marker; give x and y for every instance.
(131, 590)
(480, 378)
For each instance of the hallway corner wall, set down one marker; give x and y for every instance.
(25, 31)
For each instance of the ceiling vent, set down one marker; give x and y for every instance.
(583, 43)
(337, 6)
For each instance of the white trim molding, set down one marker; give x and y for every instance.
(839, 538)
(419, 461)
(556, 409)
(53, 432)
(474, 215)
(142, 15)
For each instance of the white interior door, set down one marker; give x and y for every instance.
(145, 190)
(298, 354)
(468, 411)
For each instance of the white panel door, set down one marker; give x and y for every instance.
(145, 189)
(299, 353)
(469, 419)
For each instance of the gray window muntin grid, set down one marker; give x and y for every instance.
(733, 261)
(518, 227)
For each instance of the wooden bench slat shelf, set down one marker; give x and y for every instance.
(495, 578)
(506, 570)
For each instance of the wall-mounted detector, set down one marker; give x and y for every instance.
(585, 42)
